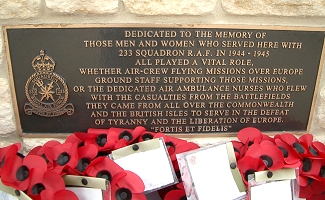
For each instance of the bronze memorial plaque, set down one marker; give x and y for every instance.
(176, 79)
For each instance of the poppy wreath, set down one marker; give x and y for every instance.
(40, 173)
(256, 151)
(86, 154)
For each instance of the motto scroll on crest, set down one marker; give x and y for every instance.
(45, 90)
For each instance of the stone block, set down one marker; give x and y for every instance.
(30, 143)
(81, 6)
(1, 48)
(9, 140)
(19, 8)
(321, 109)
(7, 124)
(275, 7)
(170, 7)
(5, 96)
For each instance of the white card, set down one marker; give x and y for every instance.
(152, 165)
(6, 196)
(279, 190)
(84, 193)
(211, 174)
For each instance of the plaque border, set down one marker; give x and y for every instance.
(143, 25)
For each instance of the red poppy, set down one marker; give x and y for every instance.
(146, 136)
(310, 167)
(63, 155)
(127, 185)
(320, 148)
(6, 152)
(250, 135)
(171, 194)
(103, 167)
(318, 185)
(163, 191)
(309, 170)
(39, 150)
(307, 141)
(176, 194)
(291, 156)
(293, 142)
(303, 180)
(126, 136)
(44, 181)
(312, 187)
(16, 171)
(35, 150)
(269, 153)
(59, 195)
(267, 137)
(102, 138)
(73, 138)
(249, 165)
(192, 145)
(322, 172)
(239, 149)
(85, 155)
(305, 191)
(317, 197)
(124, 184)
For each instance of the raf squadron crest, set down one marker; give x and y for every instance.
(46, 91)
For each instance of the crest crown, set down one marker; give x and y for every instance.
(43, 62)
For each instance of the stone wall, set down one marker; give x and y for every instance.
(254, 12)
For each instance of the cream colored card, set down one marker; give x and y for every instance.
(10, 193)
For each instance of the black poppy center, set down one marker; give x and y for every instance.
(147, 136)
(322, 171)
(22, 173)
(248, 172)
(101, 140)
(37, 188)
(310, 181)
(123, 194)
(63, 158)
(183, 198)
(298, 147)
(102, 153)
(44, 156)
(170, 144)
(125, 135)
(81, 144)
(83, 164)
(236, 150)
(284, 152)
(306, 167)
(178, 174)
(2, 163)
(20, 155)
(268, 161)
(313, 151)
(104, 174)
